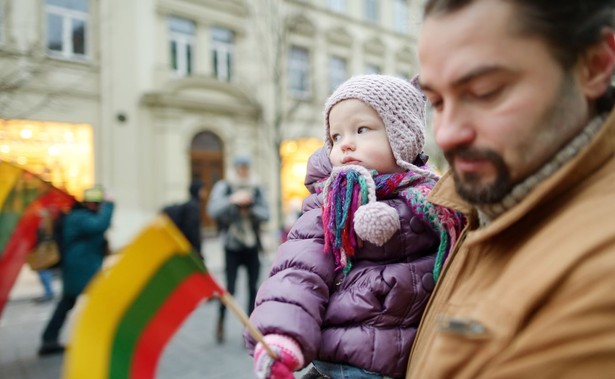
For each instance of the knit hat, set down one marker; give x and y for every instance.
(95, 194)
(241, 160)
(401, 106)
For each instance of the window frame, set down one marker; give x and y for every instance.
(69, 19)
(401, 14)
(338, 6)
(299, 72)
(2, 23)
(338, 71)
(184, 44)
(371, 11)
(372, 68)
(222, 54)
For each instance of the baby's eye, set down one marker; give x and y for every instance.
(362, 129)
(335, 138)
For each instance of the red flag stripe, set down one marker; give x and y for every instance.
(167, 320)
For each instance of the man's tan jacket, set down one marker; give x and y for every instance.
(532, 295)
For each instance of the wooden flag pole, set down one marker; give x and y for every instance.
(229, 302)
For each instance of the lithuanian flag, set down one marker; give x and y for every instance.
(135, 306)
(23, 195)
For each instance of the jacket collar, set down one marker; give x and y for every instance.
(578, 169)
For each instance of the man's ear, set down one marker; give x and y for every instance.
(597, 65)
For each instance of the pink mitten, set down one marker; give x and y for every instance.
(289, 358)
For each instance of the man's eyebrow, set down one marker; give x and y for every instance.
(479, 71)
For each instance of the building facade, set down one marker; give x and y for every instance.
(143, 95)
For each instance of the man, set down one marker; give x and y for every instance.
(521, 94)
(239, 207)
(187, 216)
(83, 249)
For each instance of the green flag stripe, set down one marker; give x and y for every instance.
(145, 306)
(23, 193)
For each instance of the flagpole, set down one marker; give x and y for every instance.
(229, 302)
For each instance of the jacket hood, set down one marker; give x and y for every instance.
(318, 168)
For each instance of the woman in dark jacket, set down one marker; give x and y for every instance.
(83, 248)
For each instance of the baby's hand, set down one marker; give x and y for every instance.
(289, 358)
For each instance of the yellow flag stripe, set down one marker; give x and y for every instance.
(112, 292)
(8, 177)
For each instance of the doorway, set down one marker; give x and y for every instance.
(207, 164)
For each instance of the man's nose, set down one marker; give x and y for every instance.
(453, 127)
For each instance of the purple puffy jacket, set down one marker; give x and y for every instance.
(367, 319)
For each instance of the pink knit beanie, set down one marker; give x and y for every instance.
(400, 105)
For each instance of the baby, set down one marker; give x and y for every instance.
(347, 290)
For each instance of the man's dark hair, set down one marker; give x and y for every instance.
(195, 187)
(569, 27)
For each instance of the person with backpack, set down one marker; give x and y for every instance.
(83, 245)
(239, 207)
(187, 216)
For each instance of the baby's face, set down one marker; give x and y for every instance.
(358, 137)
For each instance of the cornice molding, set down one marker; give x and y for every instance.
(201, 94)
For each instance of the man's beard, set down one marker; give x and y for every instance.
(559, 119)
(469, 186)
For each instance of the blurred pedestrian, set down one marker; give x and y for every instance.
(187, 216)
(83, 250)
(239, 207)
(45, 232)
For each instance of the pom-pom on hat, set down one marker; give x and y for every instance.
(350, 206)
(399, 103)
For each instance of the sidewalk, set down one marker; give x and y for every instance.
(192, 353)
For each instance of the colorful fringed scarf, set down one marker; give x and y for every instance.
(347, 190)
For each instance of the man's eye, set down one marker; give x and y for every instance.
(436, 104)
(488, 94)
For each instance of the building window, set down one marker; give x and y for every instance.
(338, 72)
(372, 69)
(299, 72)
(337, 5)
(67, 28)
(372, 11)
(401, 16)
(222, 53)
(404, 75)
(181, 40)
(2, 22)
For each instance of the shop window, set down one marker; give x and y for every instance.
(60, 153)
(222, 53)
(295, 155)
(299, 72)
(67, 28)
(181, 40)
